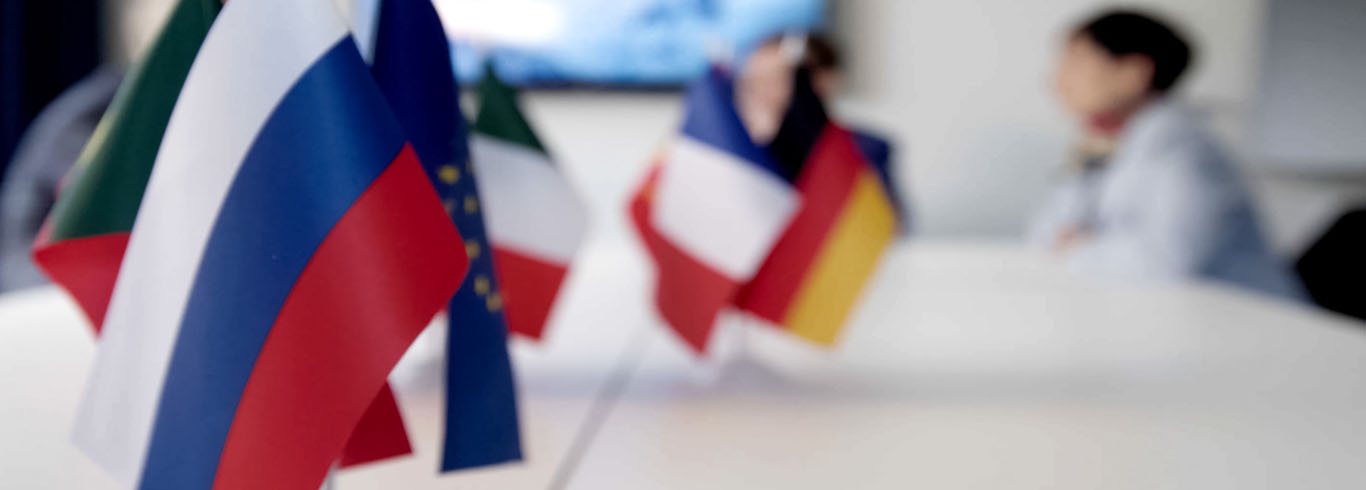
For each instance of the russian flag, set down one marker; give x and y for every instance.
(287, 251)
(710, 211)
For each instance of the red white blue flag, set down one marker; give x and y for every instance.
(287, 251)
(710, 211)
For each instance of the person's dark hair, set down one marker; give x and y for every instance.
(1123, 33)
(820, 52)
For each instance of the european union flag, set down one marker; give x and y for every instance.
(413, 67)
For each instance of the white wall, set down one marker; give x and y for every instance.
(964, 86)
(960, 85)
(605, 142)
(1305, 130)
(1314, 81)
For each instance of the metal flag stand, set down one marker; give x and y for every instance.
(734, 361)
(603, 401)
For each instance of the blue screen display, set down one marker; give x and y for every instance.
(613, 42)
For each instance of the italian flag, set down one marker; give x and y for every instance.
(82, 244)
(535, 219)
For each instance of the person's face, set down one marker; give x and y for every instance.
(763, 91)
(1091, 81)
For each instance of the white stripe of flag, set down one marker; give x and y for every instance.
(252, 56)
(529, 207)
(724, 211)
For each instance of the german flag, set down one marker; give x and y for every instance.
(813, 277)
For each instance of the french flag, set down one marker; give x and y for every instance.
(710, 211)
(287, 251)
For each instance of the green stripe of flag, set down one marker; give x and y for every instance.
(499, 117)
(105, 191)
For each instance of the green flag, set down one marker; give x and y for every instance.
(82, 243)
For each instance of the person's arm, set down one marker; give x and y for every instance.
(1059, 216)
(24, 198)
(1176, 230)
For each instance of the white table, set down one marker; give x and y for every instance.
(969, 366)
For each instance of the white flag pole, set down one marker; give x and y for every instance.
(609, 393)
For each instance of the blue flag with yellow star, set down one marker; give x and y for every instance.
(413, 67)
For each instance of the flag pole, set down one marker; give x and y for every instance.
(743, 325)
(603, 402)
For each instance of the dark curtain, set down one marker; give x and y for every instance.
(45, 46)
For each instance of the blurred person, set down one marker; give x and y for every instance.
(46, 153)
(764, 91)
(51, 145)
(1152, 196)
(45, 47)
(766, 79)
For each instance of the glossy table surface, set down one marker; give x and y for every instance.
(966, 366)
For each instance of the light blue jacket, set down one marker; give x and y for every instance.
(1168, 205)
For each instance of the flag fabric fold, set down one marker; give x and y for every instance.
(710, 211)
(86, 234)
(535, 218)
(812, 279)
(790, 235)
(287, 250)
(412, 64)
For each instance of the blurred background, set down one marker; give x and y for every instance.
(968, 351)
(961, 88)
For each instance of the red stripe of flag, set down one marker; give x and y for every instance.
(688, 293)
(352, 314)
(824, 184)
(529, 286)
(88, 267)
(85, 267)
(379, 435)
